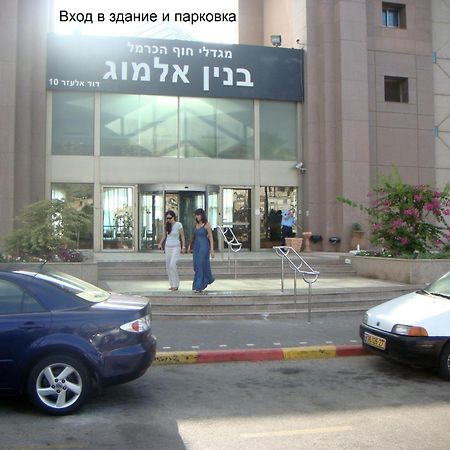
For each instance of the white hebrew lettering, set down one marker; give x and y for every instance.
(137, 68)
(229, 80)
(180, 73)
(247, 78)
(163, 67)
(112, 71)
(124, 70)
(206, 78)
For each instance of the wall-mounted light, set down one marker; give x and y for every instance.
(276, 40)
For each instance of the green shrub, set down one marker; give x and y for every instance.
(407, 219)
(45, 227)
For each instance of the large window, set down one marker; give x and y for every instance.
(183, 127)
(216, 128)
(81, 197)
(237, 214)
(273, 200)
(118, 218)
(72, 124)
(278, 130)
(138, 125)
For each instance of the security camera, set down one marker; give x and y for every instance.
(301, 167)
(297, 40)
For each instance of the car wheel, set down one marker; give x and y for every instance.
(59, 384)
(444, 363)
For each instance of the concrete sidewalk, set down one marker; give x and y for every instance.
(240, 285)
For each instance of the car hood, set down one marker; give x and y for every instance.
(428, 311)
(122, 302)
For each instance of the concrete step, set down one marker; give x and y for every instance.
(244, 269)
(274, 304)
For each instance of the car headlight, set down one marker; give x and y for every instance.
(409, 330)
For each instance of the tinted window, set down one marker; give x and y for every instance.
(14, 300)
(73, 123)
(278, 131)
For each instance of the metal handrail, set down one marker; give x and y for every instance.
(309, 276)
(233, 245)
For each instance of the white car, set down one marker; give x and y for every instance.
(414, 328)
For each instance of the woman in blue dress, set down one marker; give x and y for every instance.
(202, 247)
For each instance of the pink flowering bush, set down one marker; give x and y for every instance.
(407, 219)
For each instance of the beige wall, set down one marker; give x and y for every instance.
(8, 38)
(23, 27)
(402, 133)
(350, 133)
(441, 77)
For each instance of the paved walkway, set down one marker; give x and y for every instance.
(243, 285)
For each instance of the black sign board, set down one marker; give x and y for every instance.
(173, 67)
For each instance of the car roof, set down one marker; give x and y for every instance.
(49, 294)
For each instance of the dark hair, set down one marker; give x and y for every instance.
(201, 212)
(169, 224)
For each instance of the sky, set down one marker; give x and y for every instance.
(225, 32)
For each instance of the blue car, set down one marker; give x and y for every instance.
(61, 336)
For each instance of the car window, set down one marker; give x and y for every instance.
(441, 285)
(14, 300)
(71, 284)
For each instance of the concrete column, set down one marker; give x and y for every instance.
(30, 113)
(8, 51)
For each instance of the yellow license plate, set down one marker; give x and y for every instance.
(375, 341)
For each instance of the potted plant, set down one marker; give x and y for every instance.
(357, 237)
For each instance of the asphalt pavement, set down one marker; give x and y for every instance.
(188, 335)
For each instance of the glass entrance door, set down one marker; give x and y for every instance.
(151, 219)
(152, 208)
(188, 202)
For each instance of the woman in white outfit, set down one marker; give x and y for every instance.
(174, 244)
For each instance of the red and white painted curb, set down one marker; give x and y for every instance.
(263, 354)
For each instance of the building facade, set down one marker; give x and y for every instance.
(376, 87)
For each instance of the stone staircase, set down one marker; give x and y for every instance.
(342, 296)
(263, 305)
(222, 268)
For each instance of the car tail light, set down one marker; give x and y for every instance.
(138, 326)
(408, 330)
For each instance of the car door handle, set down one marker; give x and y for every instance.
(31, 326)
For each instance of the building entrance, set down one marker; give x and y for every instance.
(154, 201)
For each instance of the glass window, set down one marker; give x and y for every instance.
(396, 89)
(278, 130)
(118, 218)
(273, 200)
(14, 300)
(81, 197)
(216, 128)
(393, 15)
(237, 214)
(138, 125)
(72, 123)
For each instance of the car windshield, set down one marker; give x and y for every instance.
(72, 284)
(441, 286)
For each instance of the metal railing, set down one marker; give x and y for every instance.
(232, 243)
(300, 267)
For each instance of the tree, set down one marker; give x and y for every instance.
(45, 227)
